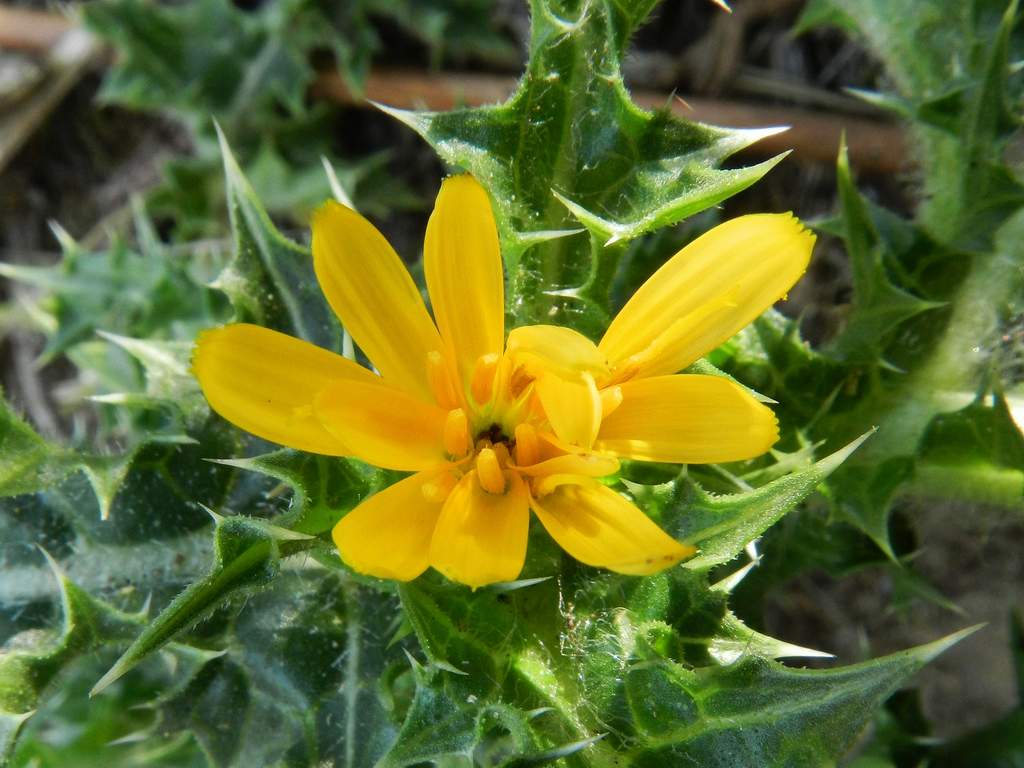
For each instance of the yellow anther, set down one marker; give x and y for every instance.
(611, 398)
(441, 384)
(457, 441)
(482, 384)
(527, 445)
(489, 473)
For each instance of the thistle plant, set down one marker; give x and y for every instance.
(313, 544)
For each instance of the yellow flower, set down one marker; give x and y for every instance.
(493, 428)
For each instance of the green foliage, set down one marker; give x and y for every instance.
(570, 148)
(934, 298)
(270, 280)
(264, 649)
(250, 70)
(31, 663)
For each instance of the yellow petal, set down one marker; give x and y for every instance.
(382, 425)
(573, 408)
(480, 537)
(589, 464)
(559, 350)
(462, 264)
(599, 527)
(708, 291)
(388, 535)
(372, 293)
(265, 382)
(687, 419)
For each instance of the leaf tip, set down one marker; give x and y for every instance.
(112, 675)
(931, 650)
(831, 462)
(217, 518)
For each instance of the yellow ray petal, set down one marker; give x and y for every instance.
(462, 264)
(573, 408)
(589, 464)
(382, 425)
(599, 527)
(556, 349)
(480, 538)
(388, 535)
(265, 382)
(708, 291)
(372, 293)
(687, 419)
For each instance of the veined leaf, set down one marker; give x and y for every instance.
(323, 487)
(569, 146)
(879, 306)
(757, 712)
(27, 461)
(246, 556)
(27, 669)
(722, 526)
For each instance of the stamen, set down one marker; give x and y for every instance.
(527, 445)
(482, 384)
(488, 472)
(611, 398)
(457, 441)
(440, 379)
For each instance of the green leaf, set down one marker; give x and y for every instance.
(864, 493)
(270, 280)
(950, 64)
(722, 526)
(569, 146)
(27, 461)
(143, 292)
(29, 666)
(757, 712)
(879, 306)
(324, 488)
(246, 556)
(169, 61)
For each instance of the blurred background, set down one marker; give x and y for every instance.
(107, 114)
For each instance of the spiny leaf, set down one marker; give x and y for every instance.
(863, 495)
(734, 640)
(722, 526)
(950, 64)
(270, 280)
(569, 146)
(28, 669)
(246, 556)
(879, 306)
(27, 461)
(324, 487)
(757, 712)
